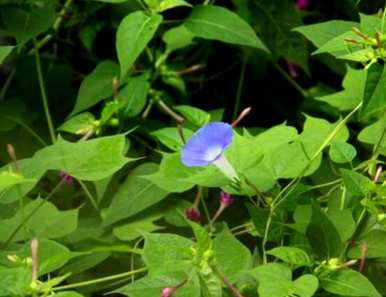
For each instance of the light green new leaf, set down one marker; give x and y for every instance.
(375, 134)
(321, 33)
(15, 281)
(69, 293)
(231, 255)
(354, 84)
(86, 160)
(218, 23)
(165, 253)
(177, 37)
(370, 24)
(291, 255)
(193, 115)
(134, 195)
(348, 282)
(342, 152)
(171, 138)
(9, 179)
(27, 24)
(47, 222)
(376, 242)
(357, 185)
(96, 86)
(169, 4)
(79, 124)
(133, 95)
(134, 33)
(5, 50)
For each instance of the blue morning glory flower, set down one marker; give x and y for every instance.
(207, 147)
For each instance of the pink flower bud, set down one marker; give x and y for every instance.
(226, 199)
(302, 4)
(193, 214)
(68, 179)
(293, 69)
(167, 292)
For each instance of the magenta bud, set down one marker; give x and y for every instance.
(302, 4)
(167, 292)
(293, 69)
(226, 199)
(193, 214)
(68, 179)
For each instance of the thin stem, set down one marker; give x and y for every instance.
(7, 83)
(44, 97)
(266, 232)
(100, 280)
(170, 111)
(218, 213)
(292, 81)
(240, 87)
(49, 196)
(230, 286)
(88, 194)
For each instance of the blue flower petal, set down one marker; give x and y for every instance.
(207, 144)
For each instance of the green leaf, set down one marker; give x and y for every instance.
(134, 195)
(177, 38)
(96, 86)
(344, 222)
(376, 242)
(165, 253)
(27, 24)
(15, 281)
(86, 160)
(375, 134)
(68, 293)
(339, 47)
(275, 20)
(153, 286)
(46, 221)
(342, 152)
(323, 236)
(136, 228)
(9, 179)
(374, 102)
(134, 33)
(193, 115)
(171, 138)
(370, 24)
(209, 282)
(321, 33)
(291, 255)
(79, 124)
(169, 4)
(349, 282)
(231, 255)
(218, 23)
(133, 95)
(357, 185)
(354, 86)
(5, 50)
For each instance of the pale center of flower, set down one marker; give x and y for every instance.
(212, 153)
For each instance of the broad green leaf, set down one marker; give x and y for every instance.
(27, 24)
(5, 50)
(321, 33)
(11, 113)
(169, 4)
(134, 195)
(133, 95)
(52, 255)
(344, 222)
(83, 262)
(9, 179)
(68, 293)
(323, 236)
(349, 282)
(231, 255)
(96, 86)
(354, 84)
(375, 134)
(171, 138)
(153, 286)
(291, 255)
(342, 152)
(132, 230)
(134, 33)
(218, 23)
(370, 24)
(15, 281)
(87, 160)
(276, 24)
(376, 242)
(374, 102)
(177, 38)
(193, 115)
(165, 253)
(339, 46)
(306, 285)
(79, 124)
(46, 221)
(357, 185)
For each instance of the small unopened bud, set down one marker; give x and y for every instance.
(167, 292)
(302, 4)
(226, 199)
(193, 214)
(293, 69)
(68, 179)
(12, 156)
(13, 258)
